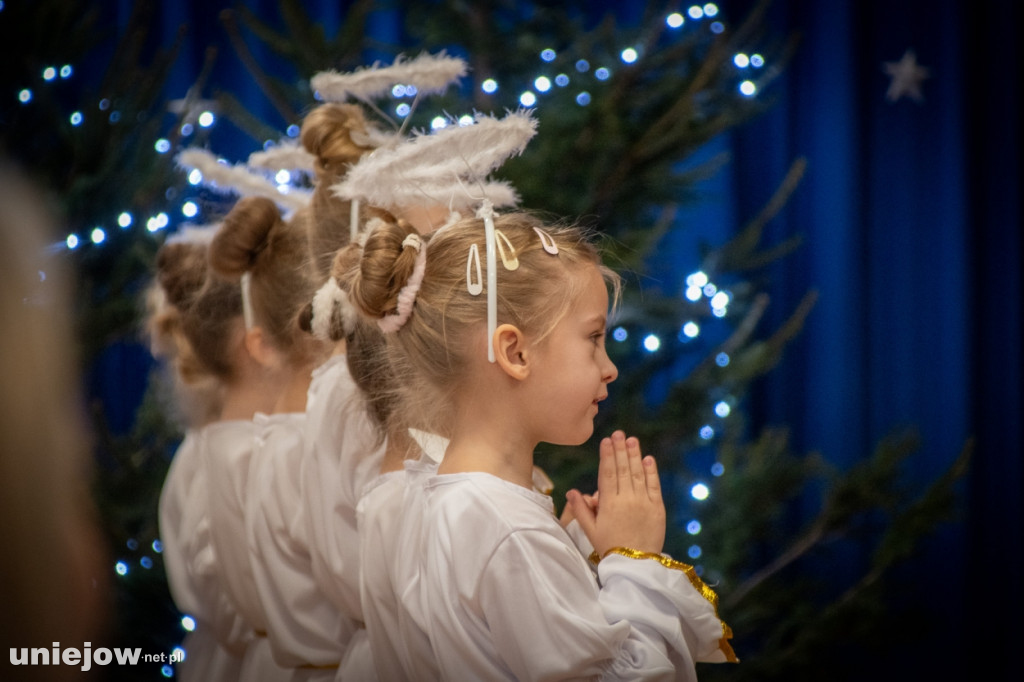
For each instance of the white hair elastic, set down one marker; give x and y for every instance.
(328, 299)
(412, 240)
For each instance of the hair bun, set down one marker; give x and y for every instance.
(245, 233)
(327, 134)
(384, 268)
(181, 271)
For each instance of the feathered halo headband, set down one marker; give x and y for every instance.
(450, 167)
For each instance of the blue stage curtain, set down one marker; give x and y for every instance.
(910, 214)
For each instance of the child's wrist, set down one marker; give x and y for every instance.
(631, 553)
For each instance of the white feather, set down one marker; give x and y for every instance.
(429, 73)
(284, 156)
(437, 166)
(239, 179)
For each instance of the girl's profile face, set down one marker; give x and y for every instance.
(572, 369)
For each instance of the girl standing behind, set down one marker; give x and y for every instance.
(204, 323)
(496, 588)
(305, 631)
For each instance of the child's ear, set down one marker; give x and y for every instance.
(259, 348)
(511, 352)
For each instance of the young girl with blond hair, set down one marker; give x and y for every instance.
(488, 583)
(196, 324)
(270, 546)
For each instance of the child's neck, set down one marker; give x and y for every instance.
(295, 390)
(245, 400)
(491, 451)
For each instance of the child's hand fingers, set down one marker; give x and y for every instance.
(621, 461)
(606, 477)
(653, 481)
(636, 466)
(583, 513)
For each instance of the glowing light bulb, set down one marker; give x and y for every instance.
(674, 20)
(748, 88)
(699, 491)
(697, 279)
(628, 55)
(651, 343)
(527, 99)
(206, 119)
(490, 86)
(98, 236)
(542, 84)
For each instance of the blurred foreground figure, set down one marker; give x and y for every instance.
(53, 587)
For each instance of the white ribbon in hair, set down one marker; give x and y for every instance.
(247, 313)
(486, 212)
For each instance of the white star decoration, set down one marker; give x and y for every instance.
(907, 76)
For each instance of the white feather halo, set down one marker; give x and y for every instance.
(438, 167)
(429, 73)
(239, 179)
(283, 156)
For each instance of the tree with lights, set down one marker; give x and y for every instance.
(623, 110)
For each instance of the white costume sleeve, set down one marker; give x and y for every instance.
(304, 628)
(214, 649)
(667, 597)
(227, 453)
(176, 499)
(343, 453)
(550, 624)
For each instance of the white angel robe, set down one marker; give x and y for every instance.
(380, 514)
(500, 592)
(343, 452)
(307, 632)
(214, 649)
(228, 448)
